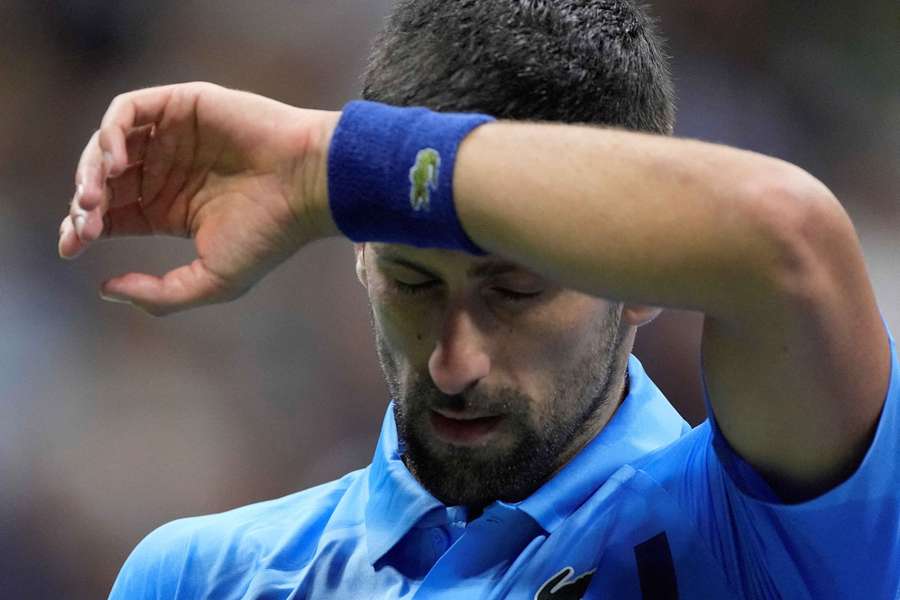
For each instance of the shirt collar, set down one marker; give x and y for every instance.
(396, 500)
(643, 422)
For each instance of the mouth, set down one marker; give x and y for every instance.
(464, 429)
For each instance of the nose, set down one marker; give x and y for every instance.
(459, 359)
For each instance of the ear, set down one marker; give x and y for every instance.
(360, 250)
(638, 315)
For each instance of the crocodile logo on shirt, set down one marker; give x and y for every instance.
(563, 587)
(423, 178)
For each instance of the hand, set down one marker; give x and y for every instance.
(243, 175)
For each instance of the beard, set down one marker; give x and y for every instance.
(540, 435)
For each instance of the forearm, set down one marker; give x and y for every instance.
(762, 248)
(637, 217)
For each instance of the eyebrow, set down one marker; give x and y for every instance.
(480, 270)
(396, 260)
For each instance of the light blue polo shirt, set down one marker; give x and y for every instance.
(645, 510)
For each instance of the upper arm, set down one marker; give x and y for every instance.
(797, 376)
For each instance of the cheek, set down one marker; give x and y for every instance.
(553, 334)
(404, 330)
(542, 349)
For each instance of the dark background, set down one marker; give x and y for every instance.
(112, 422)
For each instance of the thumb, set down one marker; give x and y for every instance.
(180, 289)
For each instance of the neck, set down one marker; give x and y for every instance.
(606, 404)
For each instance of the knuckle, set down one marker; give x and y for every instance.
(201, 86)
(112, 110)
(119, 99)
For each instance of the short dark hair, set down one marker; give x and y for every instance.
(573, 61)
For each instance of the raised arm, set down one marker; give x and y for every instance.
(795, 353)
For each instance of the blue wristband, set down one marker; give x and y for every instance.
(390, 175)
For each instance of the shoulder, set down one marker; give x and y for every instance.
(679, 459)
(752, 534)
(188, 557)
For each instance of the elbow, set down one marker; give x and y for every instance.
(809, 241)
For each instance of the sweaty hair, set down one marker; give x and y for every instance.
(573, 61)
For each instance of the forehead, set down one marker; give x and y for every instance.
(438, 261)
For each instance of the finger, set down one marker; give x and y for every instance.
(88, 212)
(183, 288)
(89, 227)
(126, 111)
(77, 216)
(124, 217)
(69, 245)
(89, 175)
(118, 221)
(136, 141)
(107, 151)
(87, 224)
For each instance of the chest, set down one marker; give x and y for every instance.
(620, 544)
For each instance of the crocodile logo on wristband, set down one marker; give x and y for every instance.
(423, 177)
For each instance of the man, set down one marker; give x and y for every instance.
(508, 265)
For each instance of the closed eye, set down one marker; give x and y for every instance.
(515, 296)
(505, 294)
(415, 288)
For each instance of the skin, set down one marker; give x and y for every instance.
(795, 354)
(477, 336)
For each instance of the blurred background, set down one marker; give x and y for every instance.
(112, 422)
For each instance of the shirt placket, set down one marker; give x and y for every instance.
(477, 561)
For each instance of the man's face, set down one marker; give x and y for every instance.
(498, 375)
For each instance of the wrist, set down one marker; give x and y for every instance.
(309, 200)
(390, 175)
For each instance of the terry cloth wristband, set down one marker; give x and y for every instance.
(390, 175)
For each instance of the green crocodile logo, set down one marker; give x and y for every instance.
(423, 178)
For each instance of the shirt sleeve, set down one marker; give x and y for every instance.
(153, 569)
(844, 543)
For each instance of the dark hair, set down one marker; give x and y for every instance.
(575, 61)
